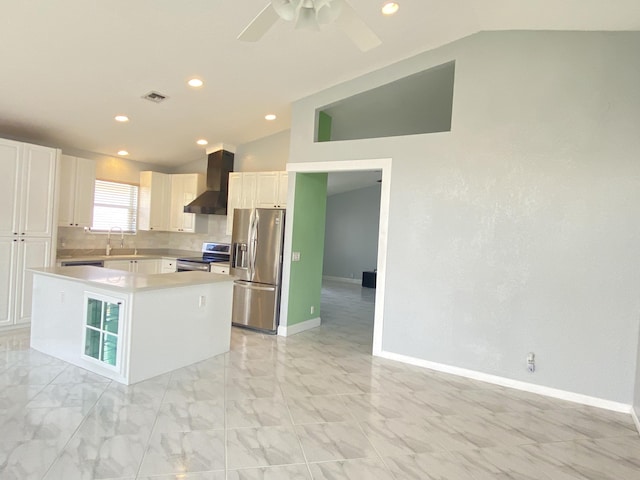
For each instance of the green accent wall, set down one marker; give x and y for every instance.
(324, 127)
(305, 284)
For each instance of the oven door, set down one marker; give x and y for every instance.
(187, 266)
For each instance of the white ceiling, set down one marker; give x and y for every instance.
(67, 67)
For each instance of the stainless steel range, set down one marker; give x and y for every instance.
(214, 258)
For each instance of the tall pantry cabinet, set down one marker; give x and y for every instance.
(27, 193)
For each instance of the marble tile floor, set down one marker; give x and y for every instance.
(312, 406)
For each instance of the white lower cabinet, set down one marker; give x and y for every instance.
(168, 265)
(16, 284)
(221, 269)
(148, 265)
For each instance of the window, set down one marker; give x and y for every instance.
(115, 205)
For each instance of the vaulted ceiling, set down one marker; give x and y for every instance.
(67, 67)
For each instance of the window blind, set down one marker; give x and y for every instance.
(115, 205)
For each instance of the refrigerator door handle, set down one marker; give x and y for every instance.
(250, 245)
(254, 240)
(253, 287)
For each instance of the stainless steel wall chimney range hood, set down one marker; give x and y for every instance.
(214, 200)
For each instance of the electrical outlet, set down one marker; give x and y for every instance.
(531, 362)
(313, 309)
(202, 301)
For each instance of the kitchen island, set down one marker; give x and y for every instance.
(130, 326)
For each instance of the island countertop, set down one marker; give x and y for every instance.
(131, 282)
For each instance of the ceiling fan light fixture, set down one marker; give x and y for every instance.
(306, 19)
(286, 9)
(328, 11)
(390, 8)
(308, 13)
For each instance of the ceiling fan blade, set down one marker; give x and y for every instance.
(355, 28)
(259, 25)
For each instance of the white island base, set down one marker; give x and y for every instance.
(130, 327)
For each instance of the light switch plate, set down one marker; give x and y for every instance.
(295, 256)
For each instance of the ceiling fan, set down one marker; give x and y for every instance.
(312, 14)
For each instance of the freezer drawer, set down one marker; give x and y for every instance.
(255, 306)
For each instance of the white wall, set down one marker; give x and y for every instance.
(266, 154)
(115, 169)
(351, 233)
(517, 231)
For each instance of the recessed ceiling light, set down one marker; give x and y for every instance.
(123, 153)
(202, 141)
(389, 8)
(195, 82)
(121, 118)
(270, 117)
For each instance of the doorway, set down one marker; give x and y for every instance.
(290, 325)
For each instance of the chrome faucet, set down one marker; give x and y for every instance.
(108, 250)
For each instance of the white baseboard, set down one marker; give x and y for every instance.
(516, 384)
(357, 281)
(287, 331)
(636, 420)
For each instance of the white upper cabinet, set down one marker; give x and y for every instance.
(283, 189)
(27, 183)
(10, 153)
(77, 192)
(154, 201)
(271, 189)
(242, 194)
(184, 189)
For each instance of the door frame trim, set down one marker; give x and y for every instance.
(382, 164)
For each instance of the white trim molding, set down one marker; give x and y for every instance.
(288, 330)
(384, 165)
(636, 420)
(515, 384)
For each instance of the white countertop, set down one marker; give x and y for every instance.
(131, 282)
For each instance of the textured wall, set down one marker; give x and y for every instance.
(351, 233)
(518, 230)
(266, 154)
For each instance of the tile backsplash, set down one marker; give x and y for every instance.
(77, 238)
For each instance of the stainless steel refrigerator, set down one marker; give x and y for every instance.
(256, 261)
